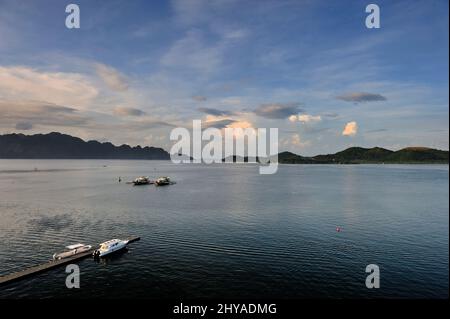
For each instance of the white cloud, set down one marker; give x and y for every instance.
(112, 78)
(305, 118)
(60, 88)
(350, 129)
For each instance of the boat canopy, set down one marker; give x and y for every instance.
(75, 246)
(110, 242)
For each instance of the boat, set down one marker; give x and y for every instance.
(110, 246)
(143, 180)
(162, 181)
(73, 250)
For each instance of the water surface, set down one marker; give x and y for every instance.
(226, 231)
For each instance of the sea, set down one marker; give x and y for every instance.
(225, 231)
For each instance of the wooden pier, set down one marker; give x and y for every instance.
(51, 264)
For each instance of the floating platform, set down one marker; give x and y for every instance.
(51, 264)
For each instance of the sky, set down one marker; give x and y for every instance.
(135, 70)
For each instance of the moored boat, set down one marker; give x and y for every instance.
(72, 251)
(110, 246)
(143, 180)
(162, 181)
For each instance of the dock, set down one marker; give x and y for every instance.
(51, 265)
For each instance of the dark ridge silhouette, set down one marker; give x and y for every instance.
(359, 155)
(61, 146)
(375, 155)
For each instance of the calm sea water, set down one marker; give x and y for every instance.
(226, 231)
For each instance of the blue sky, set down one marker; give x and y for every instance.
(136, 69)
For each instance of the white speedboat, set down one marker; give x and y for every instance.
(72, 251)
(110, 246)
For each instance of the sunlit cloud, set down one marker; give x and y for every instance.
(293, 118)
(241, 124)
(294, 141)
(305, 118)
(350, 129)
(59, 88)
(223, 121)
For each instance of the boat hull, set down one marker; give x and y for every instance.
(140, 183)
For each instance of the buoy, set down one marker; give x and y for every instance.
(338, 229)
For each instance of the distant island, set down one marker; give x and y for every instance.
(61, 146)
(375, 155)
(360, 155)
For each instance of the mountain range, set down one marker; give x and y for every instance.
(375, 155)
(61, 146)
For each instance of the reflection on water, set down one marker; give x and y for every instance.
(225, 230)
(52, 223)
(111, 257)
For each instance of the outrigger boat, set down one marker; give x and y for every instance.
(72, 251)
(162, 181)
(143, 180)
(109, 247)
